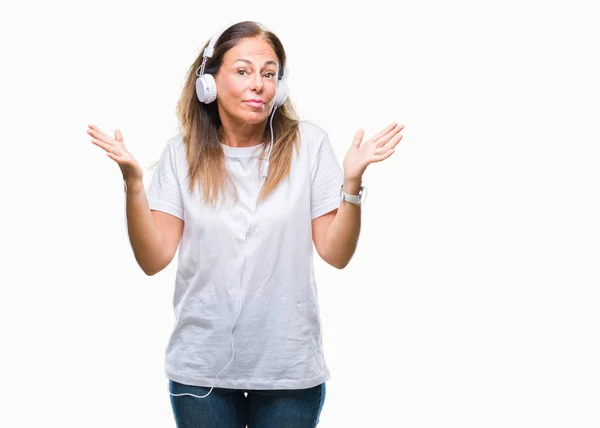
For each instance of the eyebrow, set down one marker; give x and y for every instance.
(266, 63)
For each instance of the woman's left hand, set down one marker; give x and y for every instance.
(378, 148)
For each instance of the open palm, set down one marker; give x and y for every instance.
(376, 149)
(115, 149)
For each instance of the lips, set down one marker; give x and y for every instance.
(255, 103)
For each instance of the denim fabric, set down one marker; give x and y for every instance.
(231, 408)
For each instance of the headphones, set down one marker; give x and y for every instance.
(206, 88)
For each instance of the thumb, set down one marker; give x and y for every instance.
(358, 138)
(118, 135)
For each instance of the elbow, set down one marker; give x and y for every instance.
(153, 270)
(343, 263)
(149, 269)
(342, 266)
(339, 264)
(152, 265)
(340, 261)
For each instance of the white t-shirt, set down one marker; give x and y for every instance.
(277, 338)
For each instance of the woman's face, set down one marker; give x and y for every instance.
(248, 72)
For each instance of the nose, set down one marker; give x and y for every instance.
(257, 82)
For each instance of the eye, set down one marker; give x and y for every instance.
(242, 70)
(270, 75)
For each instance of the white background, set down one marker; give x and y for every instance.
(472, 300)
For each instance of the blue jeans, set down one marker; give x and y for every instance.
(230, 408)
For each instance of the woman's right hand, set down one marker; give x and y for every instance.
(115, 149)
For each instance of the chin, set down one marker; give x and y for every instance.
(255, 117)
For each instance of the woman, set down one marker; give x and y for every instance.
(244, 202)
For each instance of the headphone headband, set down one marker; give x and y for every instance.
(208, 52)
(210, 49)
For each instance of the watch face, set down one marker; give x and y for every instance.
(363, 195)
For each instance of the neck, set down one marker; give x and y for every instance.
(244, 135)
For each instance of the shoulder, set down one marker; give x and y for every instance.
(310, 131)
(176, 146)
(312, 136)
(175, 143)
(174, 153)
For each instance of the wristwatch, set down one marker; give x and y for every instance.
(355, 199)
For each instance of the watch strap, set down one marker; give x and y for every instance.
(354, 199)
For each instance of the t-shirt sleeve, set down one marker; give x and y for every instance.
(327, 178)
(164, 192)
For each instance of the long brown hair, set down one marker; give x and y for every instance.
(200, 123)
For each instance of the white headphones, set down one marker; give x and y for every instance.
(206, 88)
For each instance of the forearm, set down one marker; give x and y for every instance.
(145, 237)
(342, 236)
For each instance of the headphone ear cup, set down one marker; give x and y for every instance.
(206, 88)
(281, 94)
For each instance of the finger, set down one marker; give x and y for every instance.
(118, 136)
(385, 131)
(396, 129)
(98, 130)
(358, 138)
(379, 158)
(382, 151)
(386, 138)
(113, 156)
(391, 144)
(105, 146)
(101, 137)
